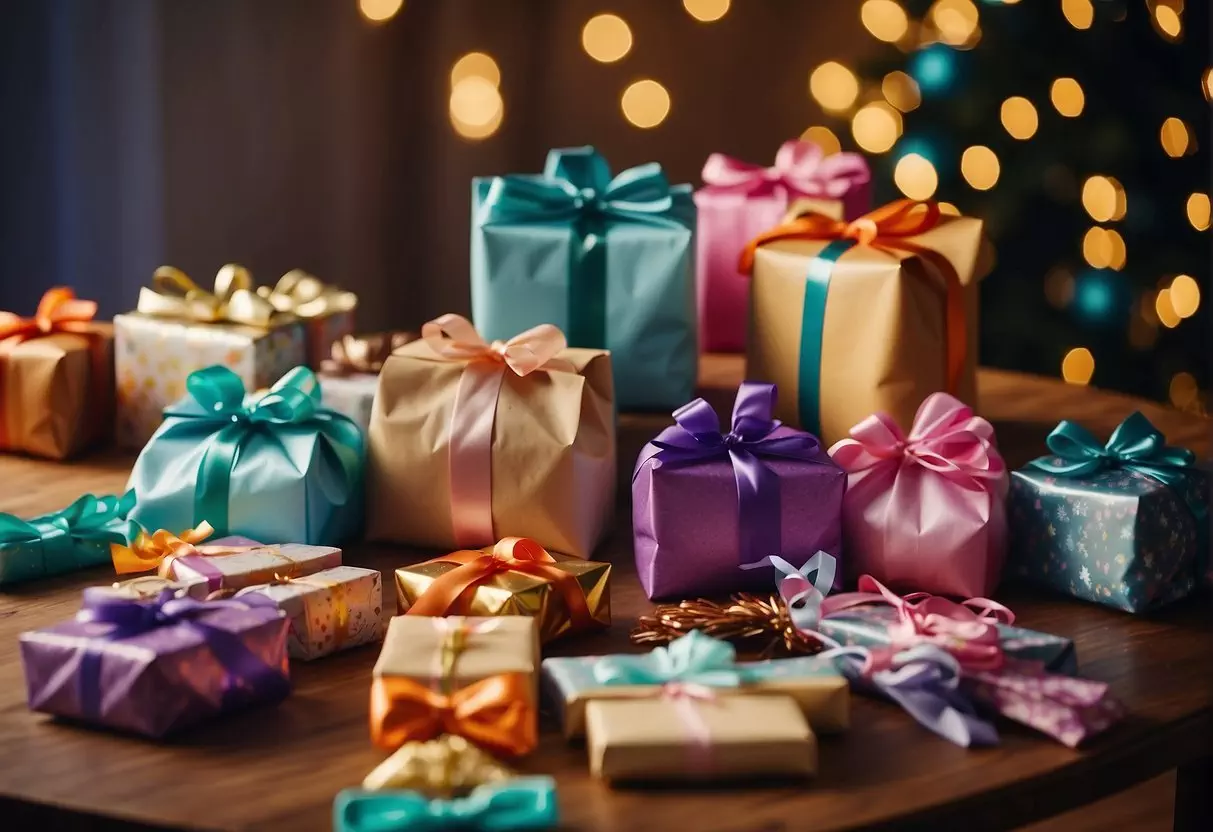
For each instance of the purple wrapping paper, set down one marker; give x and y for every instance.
(153, 683)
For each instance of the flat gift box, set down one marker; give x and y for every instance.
(818, 689)
(726, 737)
(330, 610)
(202, 575)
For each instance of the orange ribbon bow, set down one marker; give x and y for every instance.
(160, 549)
(888, 228)
(495, 713)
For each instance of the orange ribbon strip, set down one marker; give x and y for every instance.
(451, 593)
(159, 550)
(495, 713)
(59, 311)
(887, 228)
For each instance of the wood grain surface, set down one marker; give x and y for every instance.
(278, 768)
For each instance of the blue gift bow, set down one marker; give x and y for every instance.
(803, 596)
(520, 803)
(54, 538)
(691, 659)
(576, 187)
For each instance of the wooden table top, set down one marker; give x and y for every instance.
(279, 767)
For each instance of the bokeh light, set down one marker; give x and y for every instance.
(1078, 366)
(1206, 83)
(1118, 255)
(933, 68)
(876, 127)
(1019, 117)
(1167, 21)
(1097, 248)
(915, 176)
(476, 107)
(606, 38)
(476, 65)
(955, 20)
(824, 138)
(1104, 198)
(834, 86)
(979, 166)
(1164, 310)
(706, 11)
(379, 11)
(1100, 298)
(900, 90)
(885, 19)
(1079, 13)
(1198, 211)
(1185, 296)
(1067, 97)
(1183, 390)
(1059, 287)
(1175, 137)
(645, 103)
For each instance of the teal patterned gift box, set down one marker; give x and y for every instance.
(1123, 524)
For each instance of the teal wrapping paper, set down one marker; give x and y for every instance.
(275, 467)
(77, 537)
(609, 261)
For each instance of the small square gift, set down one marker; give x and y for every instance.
(1124, 524)
(608, 260)
(739, 201)
(471, 442)
(272, 466)
(514, 577)
(925, 511)
(179, 327)
(75, 538)
(350, 376)
(327, 312)
(56, 378)
(899, 324)
(708, 505)
(155, 666)
(818, 689)
(330, 610)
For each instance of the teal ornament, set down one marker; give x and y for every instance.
(519, 804)
(75, 538)
(277, 467)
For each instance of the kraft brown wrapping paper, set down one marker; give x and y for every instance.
(883, 344)
(51, 405)
(553, 454)
(751, 736)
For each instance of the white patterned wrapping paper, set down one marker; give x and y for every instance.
(350, 395)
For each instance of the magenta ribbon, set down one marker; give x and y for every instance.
(696, 438)
(800, 169)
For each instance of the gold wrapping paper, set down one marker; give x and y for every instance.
(446, 767)
(519, 594)
(50, 403)
(883, 340)
(553, 453)
(649, 739)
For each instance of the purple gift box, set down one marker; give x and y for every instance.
(154, 666)
(705, 503)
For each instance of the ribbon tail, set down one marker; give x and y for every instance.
(213, 491)
(758, 503)
(471, 453)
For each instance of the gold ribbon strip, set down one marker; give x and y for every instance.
(174, 295)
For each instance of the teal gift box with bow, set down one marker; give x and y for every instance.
(608, 260)
(276, 466)
(514, 805)
(1124, 524)
(64, 541)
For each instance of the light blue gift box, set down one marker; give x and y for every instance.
(608, 260)
(276, 467)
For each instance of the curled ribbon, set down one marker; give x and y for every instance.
(517, 804)
(353, 354)
(800, 169)
(174, 295)
(451, 592)
(162, 550)
(453, 338)
(306, 296)
(801, 595)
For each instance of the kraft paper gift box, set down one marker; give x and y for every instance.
(471, 442)
(681, 735)
(608, 260)
(179, 327)
(273, 466)
(155, 666)
(514, 577)
(867, 317)
(330, 610)
(75, 538)
(327, 312)
(350, 376)
(818, 689)
(704, 505)
(739, 201)
(1123, 524)
(56, 378)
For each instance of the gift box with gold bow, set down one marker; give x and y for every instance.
(56, 378)
(327, 312)
(514, 577)
(870, 316)
(350, 375)
(179, 327)
(471, 442)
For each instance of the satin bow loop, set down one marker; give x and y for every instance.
(802, 595)
(59, 310)
(454, 338)
(53, 539)
(694, 659)
(173, 294)
(306, 296)
(516, 804)
(800, 168)
(1135, 444)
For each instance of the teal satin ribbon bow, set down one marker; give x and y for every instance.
(222, 413)
(695, 659)
(77, 537)
(576, 187)
(517, 804)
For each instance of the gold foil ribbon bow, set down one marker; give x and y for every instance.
(174, 295)
(364, 353)
(445, 767)
(306, 296)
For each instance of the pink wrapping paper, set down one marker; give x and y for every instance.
(739, 201)
(925, 512)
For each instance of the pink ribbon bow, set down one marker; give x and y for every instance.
(800, 167)
(926, 511)
(453, 338)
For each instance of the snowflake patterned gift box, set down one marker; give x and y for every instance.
(1123, 524)
(331, 610)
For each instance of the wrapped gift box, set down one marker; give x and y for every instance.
(330, 610)
(632, 292)
(56, 378)
(350, 375)
(75, 538)
(458, 650)
(686, 738)
(520, 803)
(327, 312)
(739, 201)
(120, 666)
(351, 395)
(466, 448)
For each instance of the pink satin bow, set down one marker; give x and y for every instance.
(926, 511)
(800, 167)
(453, 338)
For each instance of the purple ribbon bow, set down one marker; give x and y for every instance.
(248, 677)
(697, 438)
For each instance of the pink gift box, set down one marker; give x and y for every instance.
(739, 201)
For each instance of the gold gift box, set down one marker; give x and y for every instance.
(746, 736)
